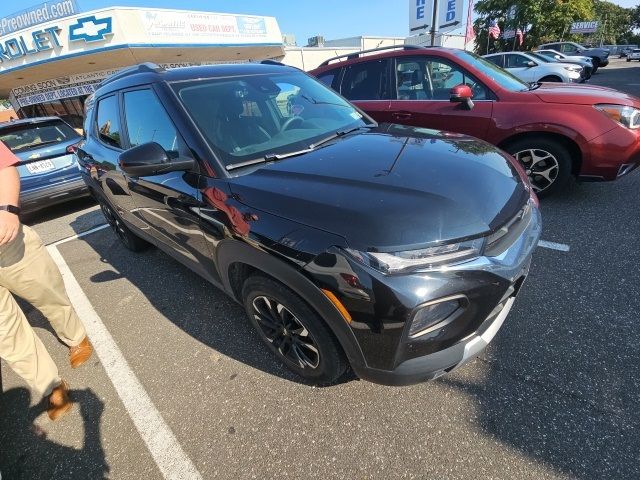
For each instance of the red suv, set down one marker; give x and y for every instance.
(554, 130)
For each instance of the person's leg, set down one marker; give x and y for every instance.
(36, 278)
(21, 348)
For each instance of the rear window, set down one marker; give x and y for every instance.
(35, 135)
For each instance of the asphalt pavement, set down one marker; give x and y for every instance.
(556, 395)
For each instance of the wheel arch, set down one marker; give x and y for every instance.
(237, 261)
(570, 144)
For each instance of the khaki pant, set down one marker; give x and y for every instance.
(27, 270)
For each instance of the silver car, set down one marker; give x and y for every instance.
(634, 55)
(530, 69)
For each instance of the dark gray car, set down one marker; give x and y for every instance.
(599, 56)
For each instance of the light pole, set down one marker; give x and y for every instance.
(434, 23)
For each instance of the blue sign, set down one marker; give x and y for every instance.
(251, 25)
(23, 45)
(91, 29)
(44, 12)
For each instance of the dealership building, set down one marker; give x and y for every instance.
(51, 66)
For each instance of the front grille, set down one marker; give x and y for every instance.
(503, 238)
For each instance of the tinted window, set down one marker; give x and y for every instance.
(427, 78)
(515, 61)
(569, 48)
(330, 78)
(30, 136)
(108, 121)
(147, 121)
(496, 60)
(366, 81)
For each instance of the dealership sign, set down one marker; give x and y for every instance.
(45, 12)
(584, 27)
(421, 15)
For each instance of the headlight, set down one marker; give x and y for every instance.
(573, 69)
(398, 262)
(623, 114)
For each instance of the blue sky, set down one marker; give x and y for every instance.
(304, 18)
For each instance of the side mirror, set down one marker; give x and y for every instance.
(462, 94)
(531, 63)
(151, 159)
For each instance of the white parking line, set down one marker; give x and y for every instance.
(82, 234)
(172, 461)
(553, 246)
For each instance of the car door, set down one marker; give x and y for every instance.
(518, 65)
(98, 154)
(367, 85)
(166, 204)
(422, 96)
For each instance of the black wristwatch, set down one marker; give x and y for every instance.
(11, 209)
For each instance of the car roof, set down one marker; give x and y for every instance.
(146, 73)
(28, 121)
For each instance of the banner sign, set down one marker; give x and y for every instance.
(421, 15)
(37, 14)
(584, 27)
(178, 26)
(80, 84)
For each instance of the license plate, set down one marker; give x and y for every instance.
(41, 166)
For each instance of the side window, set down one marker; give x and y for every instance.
(147, 121)
(330, 78)
(432, 79)
(515, 61)
(108, 121)
(496, 59)
(568, 48)
(366, 81)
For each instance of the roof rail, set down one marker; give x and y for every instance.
(146, 67)
(379, 49)
(269, 61)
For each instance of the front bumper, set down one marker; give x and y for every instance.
(611, 155)
(490, 284)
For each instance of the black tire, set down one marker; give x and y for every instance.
(596, 63)
(628, 60)
(287, 339)
(546, 151)
(126, 236)
(550, 78)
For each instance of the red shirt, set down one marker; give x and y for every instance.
(7, 158)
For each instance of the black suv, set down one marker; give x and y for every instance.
(392, 249)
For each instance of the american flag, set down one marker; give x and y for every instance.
(520, 36)
(470, 34)
(494, 29)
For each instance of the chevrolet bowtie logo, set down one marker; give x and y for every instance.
(90, 29)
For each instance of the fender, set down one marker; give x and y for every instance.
(232, 251)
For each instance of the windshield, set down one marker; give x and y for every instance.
(503, 78)
(251, 117)
(35, 135)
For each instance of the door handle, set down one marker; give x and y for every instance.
(402, 115)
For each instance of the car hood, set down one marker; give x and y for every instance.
(582, 94)
(392, 187)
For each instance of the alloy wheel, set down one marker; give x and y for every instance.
(112, 219)
(285, 332)
(542, 167)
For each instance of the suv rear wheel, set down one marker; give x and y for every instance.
(293, 331)
(546, 161)
(126, 236)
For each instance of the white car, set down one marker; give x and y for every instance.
(532, 70)
(633, 54)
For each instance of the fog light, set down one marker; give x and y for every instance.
(431, 315)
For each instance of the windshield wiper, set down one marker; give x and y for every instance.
(271, 157)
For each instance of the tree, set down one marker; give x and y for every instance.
(546, 20)
(616, 23)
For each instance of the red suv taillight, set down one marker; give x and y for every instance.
(72, 148)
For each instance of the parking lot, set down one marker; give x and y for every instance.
(181, 387)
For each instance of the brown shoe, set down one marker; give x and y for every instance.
(59, 401)
(80, 353)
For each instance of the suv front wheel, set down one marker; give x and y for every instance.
(293, 331)
(546, 161)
